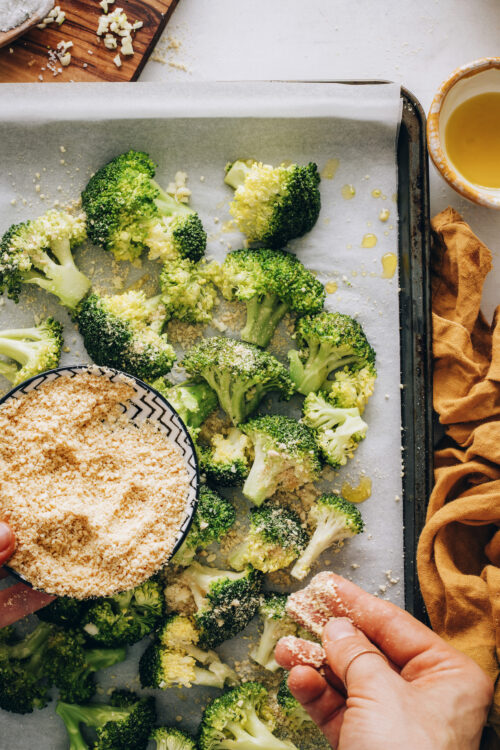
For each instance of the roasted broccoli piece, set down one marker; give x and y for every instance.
(276, 624)
(285, 456)
(175, 659)
(226, 461)
(168, 738)
(240, 720)
(40, 252)
(328, 342)
(125, 723)
(213, 518)
(192, 400)
(334, 519)
(271, 283)
(240, 374)
(127, 211)
(187, 290)
(71, 667)
(127, 617)
(338, 431)
(124, 331)
(225, 601)
(351, 388)
(272, 205)
(294, 712)
(30, 350)
(274, 540)
(23, 681)
(64, 611)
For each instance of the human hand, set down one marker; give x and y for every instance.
(389, 681)
(19, 600)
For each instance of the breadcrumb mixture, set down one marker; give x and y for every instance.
(95, 501)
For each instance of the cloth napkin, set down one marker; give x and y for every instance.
(459, 550)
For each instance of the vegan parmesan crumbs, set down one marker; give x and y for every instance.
(95, 501)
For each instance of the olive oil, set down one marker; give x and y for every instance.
(472, 139)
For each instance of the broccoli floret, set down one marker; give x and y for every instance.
(40, 252)
(338, 431)
(241, 374)
(272, 205)
(351, 388)
(240, 720)
(64, 611)
(188, 293)
(168, 738)
(225, 601)
(23, 681)
(334, 519)
(124, 724)
(271, 283)
(31, 350)
(274, 540)
(213, 518)
(126, 617)
(71, 667)
(295, 713)
(226, 460)
(127, 211)
(175, 659)
(275, 625)
(328, 342)
(124, 331)
(192, 400)
(285, 456)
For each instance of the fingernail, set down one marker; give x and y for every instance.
(5, 536)
(338, 628)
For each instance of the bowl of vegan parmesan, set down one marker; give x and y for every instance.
(98, 479)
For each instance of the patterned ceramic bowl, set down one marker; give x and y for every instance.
(146, 404)
(478, 77)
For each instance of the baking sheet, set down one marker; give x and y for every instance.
(50, 146)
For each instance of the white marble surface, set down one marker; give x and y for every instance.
(415, 43)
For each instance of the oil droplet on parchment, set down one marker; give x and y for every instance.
(357, 494)
(376, 193)
(348, 192)
(369, 240)
(330, 169)
(384, 214)
(389, 265)
(331, 287)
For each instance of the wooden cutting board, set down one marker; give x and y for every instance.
(24, 60)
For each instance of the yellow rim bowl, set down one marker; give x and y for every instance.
(478, 77)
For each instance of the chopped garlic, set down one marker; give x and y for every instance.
(65, 59)
(117, 61)
(110, 41)
(127, 47)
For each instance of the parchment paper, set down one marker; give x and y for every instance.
(53, 138)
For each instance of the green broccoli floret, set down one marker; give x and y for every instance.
(328, 342)
(274, 540)
(124, 724)
(40, 252)
(31, 350)
(272, 205)
(213, 518)
(175, 659)
(334, 519)
(338, 431)
(127, 211)
(64, 611)
(271, 283)
(169, 738)
(240, 720)
(187, 289)
(295, 713)
(126, 617)
(225, 601)
(124, 331)
(241, 374)
(192, 400)
(285, 456)
(275, 625)
(351, 388)
(23, 680)
(71, 667)
(226, 461)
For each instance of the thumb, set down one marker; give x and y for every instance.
(7, 542)
(355, 660)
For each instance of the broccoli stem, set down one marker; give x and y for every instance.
(8, 371)
(62, 279)
(263, 315)
(102, 658)
(264, 653)
(325, 534)
(261, 481)
(18, 350)
(237, 174)
(207, 679)
(255, 735)
(312, 374)
(72, 721)
(31, 644)
(167, 205)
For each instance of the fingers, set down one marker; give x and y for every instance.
(325, 705)
(18, 601)
(291, 651)
(7, 542)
